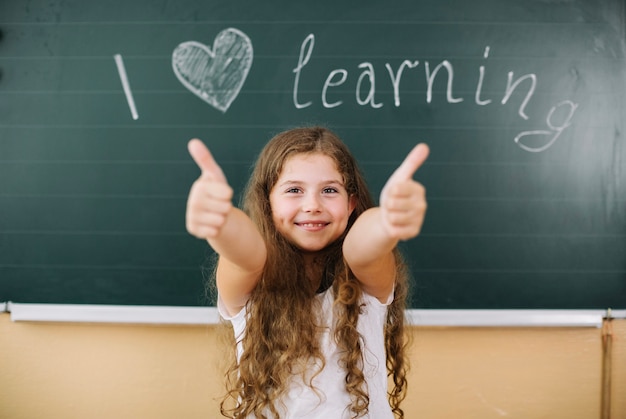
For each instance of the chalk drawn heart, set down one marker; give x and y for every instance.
(215, 76)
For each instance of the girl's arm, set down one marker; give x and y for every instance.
(229, 231)
(368, 246)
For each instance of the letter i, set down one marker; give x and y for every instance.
(481, 77)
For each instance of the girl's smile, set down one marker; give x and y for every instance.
(310, 205)
(312, 226)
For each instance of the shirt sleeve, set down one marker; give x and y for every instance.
(221, 308)
(370, 299)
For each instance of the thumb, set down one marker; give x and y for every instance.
(411, 163)
(205, 161)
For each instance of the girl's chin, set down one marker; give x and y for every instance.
(309, 248)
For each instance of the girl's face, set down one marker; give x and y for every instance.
(310, 205)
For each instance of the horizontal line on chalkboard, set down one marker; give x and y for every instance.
(406, 92)
(94, 162)
(518, 199)
(308, 22)
(94, 196)
(141, 126)
(183, 233)
(102, 267)
(430, 57)
(523, 271)
(413, 270)
(95, 233)
(506, 128)
(524, 235)
(178, 197)
(248, 162)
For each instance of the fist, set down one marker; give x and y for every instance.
(403, 200)
(210, 197)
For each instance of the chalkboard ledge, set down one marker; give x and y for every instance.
(113, 314)
(210, 316)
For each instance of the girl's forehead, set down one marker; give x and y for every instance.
(314, 158)
(310, 165)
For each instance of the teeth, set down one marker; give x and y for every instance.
(312, 224)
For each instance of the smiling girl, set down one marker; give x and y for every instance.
(310, 277)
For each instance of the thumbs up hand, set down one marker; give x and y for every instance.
(210, 197)
(403, 200)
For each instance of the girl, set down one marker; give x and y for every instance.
(310, 277)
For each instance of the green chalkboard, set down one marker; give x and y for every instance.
(521, 102)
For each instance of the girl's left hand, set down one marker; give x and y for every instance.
(403, 200)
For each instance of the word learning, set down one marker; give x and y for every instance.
(558, 118)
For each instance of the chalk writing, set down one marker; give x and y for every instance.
(307, 45)
(119, 62)
(481, 78)
(430, 78)
(511, 86)
(395, 78)
(543, 138)
(541, 135)
(215, 76)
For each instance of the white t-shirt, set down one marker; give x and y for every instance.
(331, 401)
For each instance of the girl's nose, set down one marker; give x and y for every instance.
(311, 203)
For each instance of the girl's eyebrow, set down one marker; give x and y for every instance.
(300, 182)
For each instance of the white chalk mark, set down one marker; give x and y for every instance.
(510, 87)
(126, 86)
(536, 140)
(395, 78)
(496, 409)
(556, 130)
(215, 76)
(307, 45)
(370, 74)
(481, 78)
(430, 78)
(343, 76)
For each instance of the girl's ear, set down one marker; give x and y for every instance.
(352, 203)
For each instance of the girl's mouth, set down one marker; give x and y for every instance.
(312, 226)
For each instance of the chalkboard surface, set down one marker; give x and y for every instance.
(521, 102)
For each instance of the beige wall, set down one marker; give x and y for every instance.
(93, 371)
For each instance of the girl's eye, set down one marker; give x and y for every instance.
(293, 190)
(330, 190)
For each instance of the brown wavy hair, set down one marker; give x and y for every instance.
(281, 338)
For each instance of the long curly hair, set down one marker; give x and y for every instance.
(281, 338)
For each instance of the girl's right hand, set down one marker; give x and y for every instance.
(403, 200)
(210, 197)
